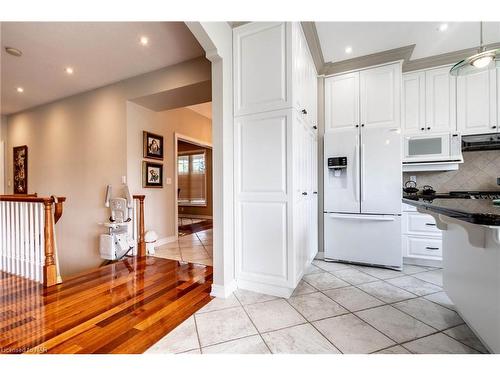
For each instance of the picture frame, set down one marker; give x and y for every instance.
(152, 175)
(152, 146)
(20, 169)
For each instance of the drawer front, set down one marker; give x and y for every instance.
(420, 223)
(424, 247)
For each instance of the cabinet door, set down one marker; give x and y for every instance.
(413, 103)
(440, 100)
(477, 102)
(380, 96)
(262, 67)
(342, 101)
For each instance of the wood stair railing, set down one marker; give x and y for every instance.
(141, 243)
(27, 239)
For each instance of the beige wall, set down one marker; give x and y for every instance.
(160, 203)
(78, 145)
(478, 172)
(3, 135)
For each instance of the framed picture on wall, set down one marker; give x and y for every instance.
(20, 170)
(153, 145)
(152, 175)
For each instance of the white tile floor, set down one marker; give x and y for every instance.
(336, 308)
(193, 248)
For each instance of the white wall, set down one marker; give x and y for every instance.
(216, 38)
(160, 208)
(78, 145)
(3, 135)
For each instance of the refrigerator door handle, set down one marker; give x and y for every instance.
(362, 217)
(356, 174)
(362, 172)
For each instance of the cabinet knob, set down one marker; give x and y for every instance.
(493, 127)
(362, 125)
(304, 193)
(357, 126)
(304, 112)
(315, 127)
(428, 128)
(422, 128)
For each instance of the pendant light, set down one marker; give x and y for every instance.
(481, 60)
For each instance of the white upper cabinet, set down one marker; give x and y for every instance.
(262, 67)
(342, 101)
(366, 98)
(477, 102)
(413, 103)
(429, 102)
(440, 100)
(273, 70)
(379, 95)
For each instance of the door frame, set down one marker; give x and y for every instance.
(182, 137)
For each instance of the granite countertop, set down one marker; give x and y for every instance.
(476, 211)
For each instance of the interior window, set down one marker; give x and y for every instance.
(191, 178)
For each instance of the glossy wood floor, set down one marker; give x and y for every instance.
(123, 307)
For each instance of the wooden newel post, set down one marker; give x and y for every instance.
(49, 268)
(141, 245)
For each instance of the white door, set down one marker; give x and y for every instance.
(440, 100)
(477, 102)
(379, 96)
(342, 102)
(381, 170)
(413, 103)
(342, 189)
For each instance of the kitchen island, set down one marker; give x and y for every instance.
(471, 259)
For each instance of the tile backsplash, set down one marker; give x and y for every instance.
(478, 172)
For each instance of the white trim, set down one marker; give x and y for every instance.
(223, 291)
(165, 240)
(193, 216)
(423, 262)
(273, 290)
(400, 62)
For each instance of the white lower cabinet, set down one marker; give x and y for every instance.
(276, 201)
(421, 240)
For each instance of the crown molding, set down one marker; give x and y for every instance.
(312, 40)
(401, 53)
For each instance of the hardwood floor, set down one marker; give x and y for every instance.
(123, 307)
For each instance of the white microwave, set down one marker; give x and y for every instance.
(435, 148)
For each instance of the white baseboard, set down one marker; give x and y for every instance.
(223, 291)
(273, 290)
(320, 255)
(192, 216)
(165, 240)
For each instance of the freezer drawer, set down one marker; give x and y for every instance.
(370, 239)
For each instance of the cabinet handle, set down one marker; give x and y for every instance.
(304, 112)
(315, 192)
(315, 127)
(430, 224)
(432, 248)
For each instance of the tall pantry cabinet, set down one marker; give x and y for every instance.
(275, 166)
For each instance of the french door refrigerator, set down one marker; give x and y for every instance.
(362, 196)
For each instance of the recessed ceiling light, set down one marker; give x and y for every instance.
(13, 51)
(144, 40)
(20, 90)
(348, 49)
(443, 27)
(69, 70)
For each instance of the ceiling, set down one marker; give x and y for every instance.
(99, 52)
(204, 109)
(366, 38)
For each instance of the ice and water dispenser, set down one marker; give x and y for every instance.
(337, 165)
